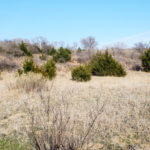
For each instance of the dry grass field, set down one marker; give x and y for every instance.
(123, 123)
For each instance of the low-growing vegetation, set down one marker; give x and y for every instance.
(28, 65)
(81, 73)
(31, 83)
(13, 144)
(62, 55)
(42, 56)
(24, 49)
(106, 65)
(47, 70)
(54, 127)
(146, 60)
(7, 65)
(52, 51)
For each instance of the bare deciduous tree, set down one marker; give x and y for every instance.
(89, 43)
(119, 46)
(141, 46)
(40, 41)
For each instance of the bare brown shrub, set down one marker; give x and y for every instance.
(28, 83)
(10, 47)
(54, 126)
(8, 65)
(83, 56)
(127, 57)
(141, 46)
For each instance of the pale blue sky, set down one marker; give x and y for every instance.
(109, 21)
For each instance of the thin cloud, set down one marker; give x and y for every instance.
(145, 36)
(131, 40)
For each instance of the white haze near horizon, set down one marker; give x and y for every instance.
(128, 42)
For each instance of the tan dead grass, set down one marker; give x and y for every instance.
(124, 122)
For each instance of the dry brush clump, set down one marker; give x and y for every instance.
(129, 58)
(53, 125)
(6, 64)
(10, 48)
(28, 83)
(83, 56)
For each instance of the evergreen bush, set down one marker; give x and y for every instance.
(106, 65)
(62, 55)
(52, 51)
(81, 73)
(28, 65)
(25, 50)
(49, 69)
(146, 60)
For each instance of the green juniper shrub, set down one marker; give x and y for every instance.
(49, 69)
(52, 51)
(62, 55)
(28, 65)
(81, 73)
(106, 65)
(146, 60)
(24, 48)
(38, 48)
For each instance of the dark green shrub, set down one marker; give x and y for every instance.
(49, 69)
(28, 65)
(24, 48)
(52, 51)
(146, 60)
(38, 48)
(81, 73)
(106, 65)
(62, 55)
